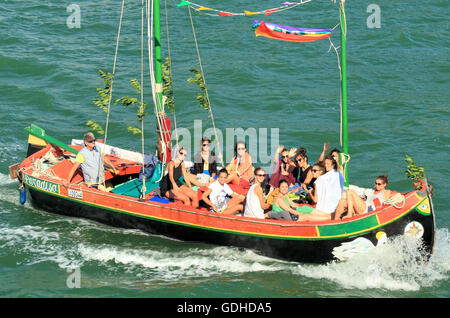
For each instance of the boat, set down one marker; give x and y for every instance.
(130, 205)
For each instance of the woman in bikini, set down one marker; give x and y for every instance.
(172, 187)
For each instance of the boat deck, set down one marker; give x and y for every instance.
(128, 173)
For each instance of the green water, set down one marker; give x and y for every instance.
(398, 93)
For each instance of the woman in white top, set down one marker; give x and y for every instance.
(255, 204)
(216, 196)
(328, 187)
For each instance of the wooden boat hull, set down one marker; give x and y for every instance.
(291, 241)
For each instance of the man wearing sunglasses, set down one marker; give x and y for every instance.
(90, 159)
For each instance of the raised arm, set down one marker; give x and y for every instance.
(326, 146)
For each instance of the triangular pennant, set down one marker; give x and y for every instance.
(270, 11)
(250, 12)
(183, 3)
(225, 14)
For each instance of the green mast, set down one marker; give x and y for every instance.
(158, 56)
(344, 132)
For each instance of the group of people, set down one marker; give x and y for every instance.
(239, 188)
(322, 183)
(177, 183)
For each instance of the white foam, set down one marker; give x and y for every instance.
(397, 265)
(12, 152)
(35, 245)
(5, 179)
(192, 262)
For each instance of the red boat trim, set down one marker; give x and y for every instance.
(312, 231)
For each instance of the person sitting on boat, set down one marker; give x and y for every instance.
(375, 197)
(328, 186)
(240, 169)
(254, 201)
(90, 159)
(284, 208)
(303, 173)
(205, 164)
(216, 196)
(335, 153)
(282, 169)
(171, 185)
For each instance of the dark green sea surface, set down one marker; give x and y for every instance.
(398, 101)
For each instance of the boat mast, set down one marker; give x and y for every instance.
(158, 58)
(344, 132)
(165, 145)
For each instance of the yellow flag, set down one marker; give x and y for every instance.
(202, 8)
(250, 12)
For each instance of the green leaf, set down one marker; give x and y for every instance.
(199, 80)
(134, 130)
(95, 127)
(168, 86)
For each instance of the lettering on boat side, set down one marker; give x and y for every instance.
(224, 307)
(77, 194)
(42, 184)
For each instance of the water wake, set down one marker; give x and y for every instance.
(398, 265)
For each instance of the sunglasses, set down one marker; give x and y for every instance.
(299, 160)
(378, 183)
(286, 156)
(315, 170)
(89, 141)
(241, 149)
(183, 153)
(204, 145)
(260, 175)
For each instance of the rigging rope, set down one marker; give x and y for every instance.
(141, 106)
(113, 71)
(343, 25)
(206, 88)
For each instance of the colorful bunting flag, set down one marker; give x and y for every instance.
(202, 8)
(183, 3)
(225, 14)
(288, 33)
(270, 11)
(250, 12)
(199, 8)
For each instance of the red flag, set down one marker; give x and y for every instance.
(225, 14)
(270, 11)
